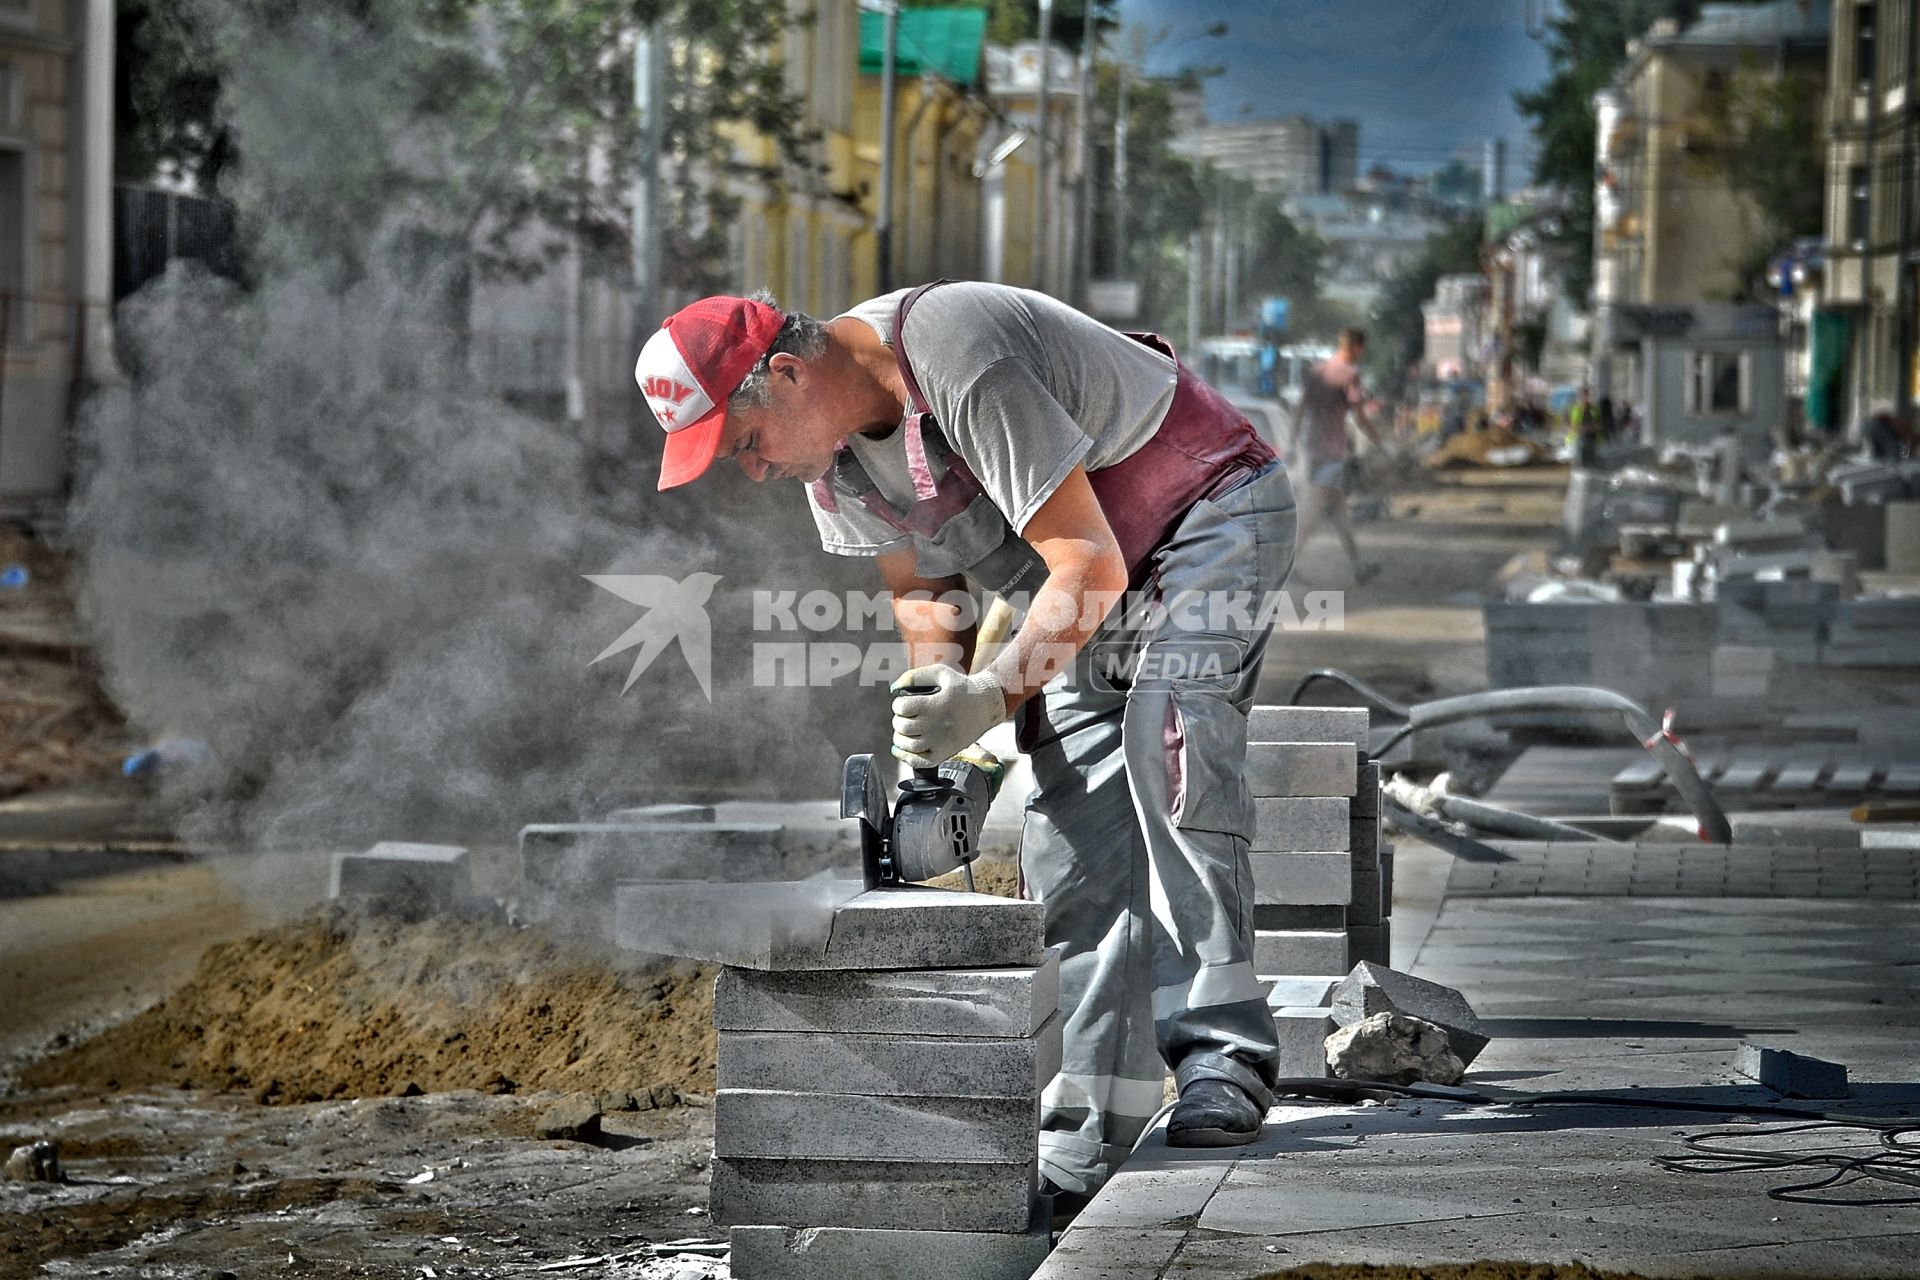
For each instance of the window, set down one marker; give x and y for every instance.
(1859, 206)
(1718, 383)
(1865, 20)
(13, 241)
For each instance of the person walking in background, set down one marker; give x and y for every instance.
(1333, 390)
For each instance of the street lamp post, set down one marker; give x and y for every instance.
(1041, 134)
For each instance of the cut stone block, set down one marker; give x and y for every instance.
(839, 1253)
(1301, 879)
(803, 927)
(1299, 991)
(1299, 825)
(897, 1195)
(1302, 1033)
(756, 924)
(778, 1124)
(1300, 769)
(1793, 1074)
(1370, 943)
(904, 1002)
(1374, 988)
(433, 876)
(649, 813)
(1303, 951)
(1309, 724)
(1386, 879)
(565, 865)
(1363, 837)
(1277, 916)
(958, 1066)
(1366, 792)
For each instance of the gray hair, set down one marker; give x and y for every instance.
(801, 335)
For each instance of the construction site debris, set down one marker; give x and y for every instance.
(1794, 1074)
(1395, 1048)
(1374, 989)
(35, 1162)
(404, 877)
(575, 1118)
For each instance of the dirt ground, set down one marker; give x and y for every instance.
(237, 1093)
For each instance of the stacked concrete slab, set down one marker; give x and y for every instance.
(570, 871)
(878, 1102)
(1321, 892)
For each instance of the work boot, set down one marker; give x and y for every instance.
(1213, 1113)
(1067, 1205)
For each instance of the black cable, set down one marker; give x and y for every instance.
(1896, 1162)
(1398, 710)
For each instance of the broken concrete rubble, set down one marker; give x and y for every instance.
(1372, 989)
(1394, 1048)
(35, 1162)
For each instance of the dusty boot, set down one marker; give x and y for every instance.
(1213, 1113)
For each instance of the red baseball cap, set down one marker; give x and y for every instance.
(689, 368)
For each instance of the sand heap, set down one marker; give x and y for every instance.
(340, 1003)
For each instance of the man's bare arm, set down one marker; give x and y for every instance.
(1086, 577)
(931, 629)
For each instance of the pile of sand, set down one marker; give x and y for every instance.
(340, 1003)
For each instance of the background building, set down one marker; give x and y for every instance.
(1292, 156)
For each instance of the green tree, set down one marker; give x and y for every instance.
(1397, 333)
(1586, 45)
(1760, 134)
(467, 120)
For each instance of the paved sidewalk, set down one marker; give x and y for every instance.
(1601, 994)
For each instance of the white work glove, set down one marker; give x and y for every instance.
(929, 728)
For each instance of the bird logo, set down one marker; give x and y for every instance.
(675, 611)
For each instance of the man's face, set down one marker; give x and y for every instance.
(794, 436)
(1355, 352)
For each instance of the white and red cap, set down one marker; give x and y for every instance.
(689, 368)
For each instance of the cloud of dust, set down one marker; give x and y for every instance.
(310, 540)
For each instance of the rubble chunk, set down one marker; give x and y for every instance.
(1373, 989)
(575, 1118)
(35, 1162)
(1396, 1048)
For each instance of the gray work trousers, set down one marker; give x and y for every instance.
(1137, 832)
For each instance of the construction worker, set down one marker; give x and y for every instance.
(978, 433)
(1333, 390)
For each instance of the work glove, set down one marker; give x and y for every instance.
(990, 766)
(931, 727)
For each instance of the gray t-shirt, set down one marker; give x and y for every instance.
(1024, 388)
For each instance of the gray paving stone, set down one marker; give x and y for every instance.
(901, 1195)
(568, 869)
(1367, 902)
(1363, 836)
(904, 1002)
(1370, 943)
(1096, 1252)
(1301, 951)
(959, 1066)
(1794, 1074)
(1302, 1033)
(807, 925)
(1300, 769)
(1309, 724)
(434, 876)
(1301, 879)
(842, 1253)
(1366, 792)
(1295, 990)
(777, 1124)
(1275, 916)
(1299, 825)
(663, 813)
(1374, 988)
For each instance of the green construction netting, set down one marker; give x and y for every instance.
(1831, 330)
(946, 42)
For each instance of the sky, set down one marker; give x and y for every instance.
(1423, 77)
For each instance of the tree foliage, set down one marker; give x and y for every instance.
(1397, 335)
(1760, 134)
(476, 122)
(1586, 45)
